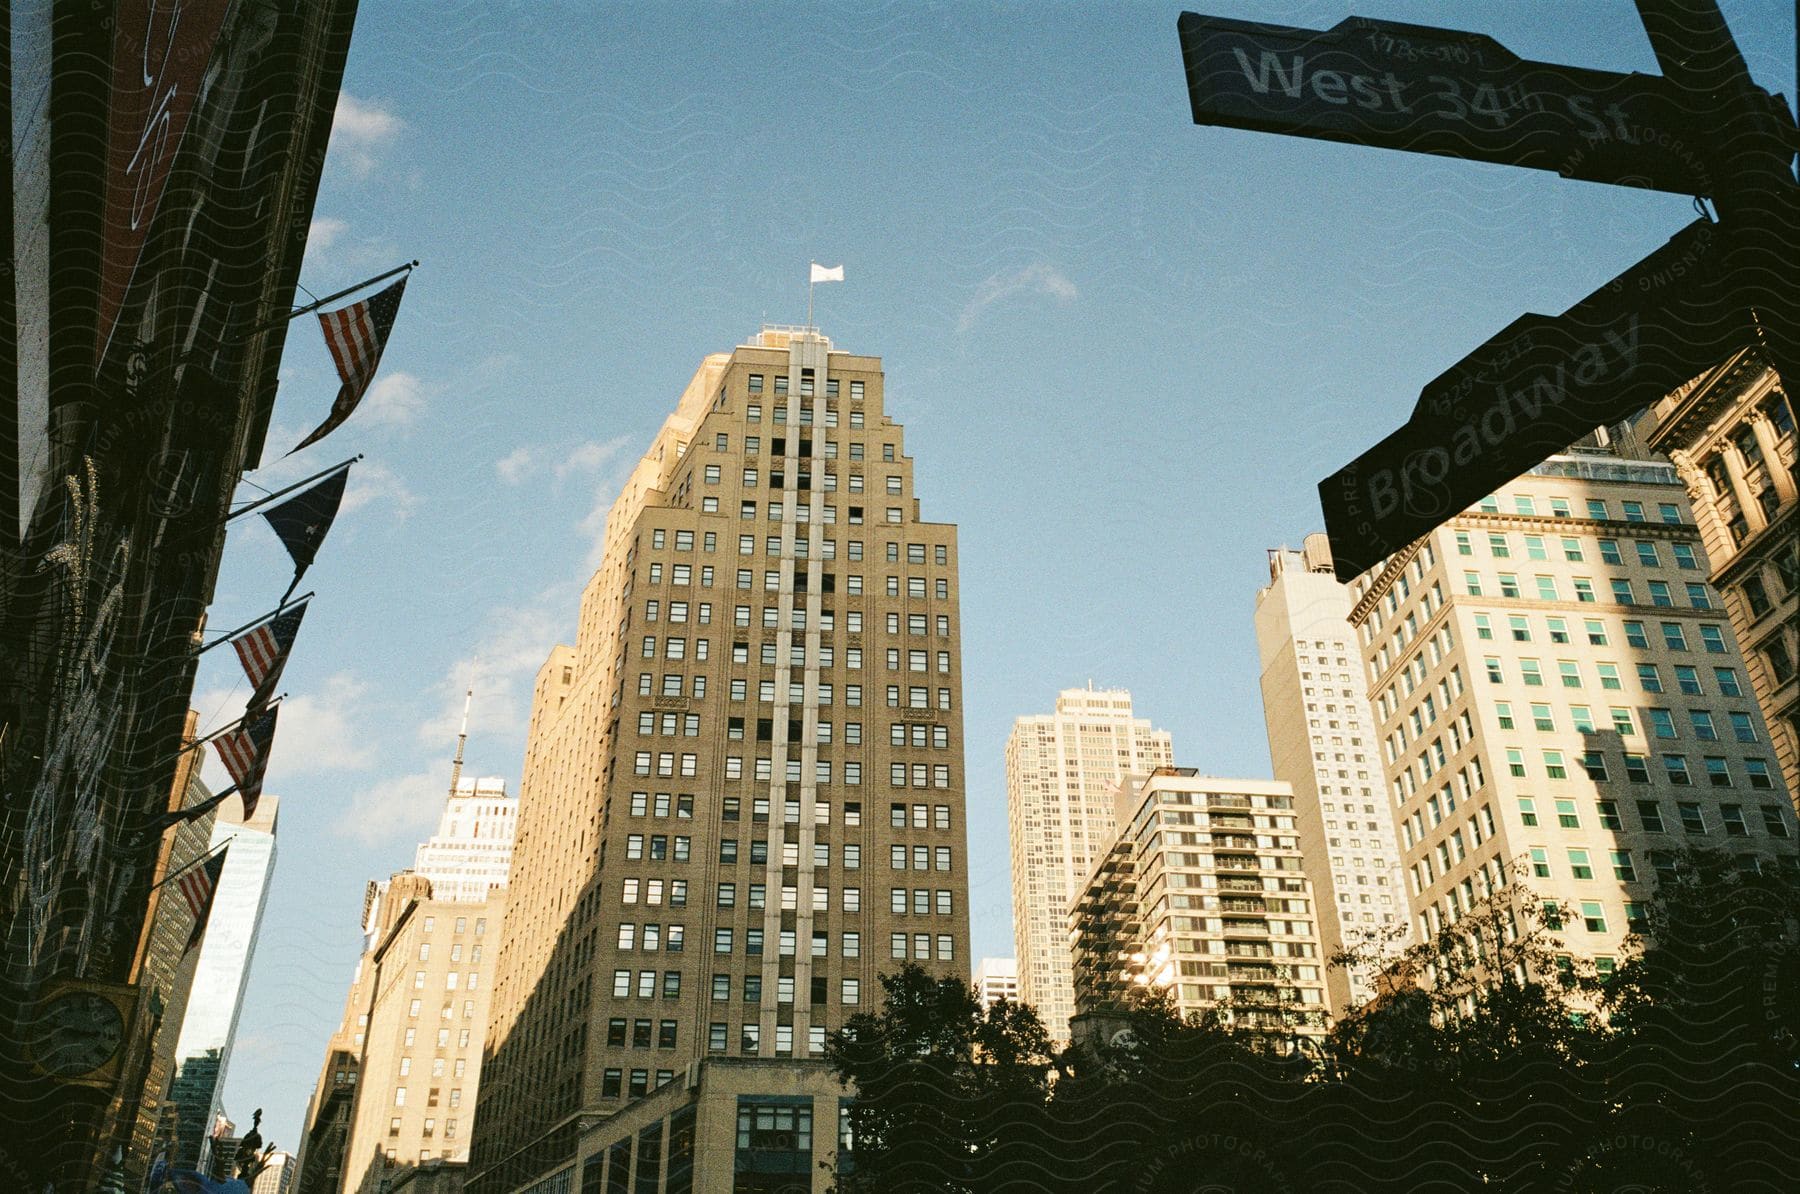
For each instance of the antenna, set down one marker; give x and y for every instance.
(461, 737)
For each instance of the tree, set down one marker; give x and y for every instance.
(944, 1088)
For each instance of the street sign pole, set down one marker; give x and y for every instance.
(1756, 197)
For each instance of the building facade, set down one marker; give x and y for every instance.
(216, 998)
(319, 1165)
(160, 179)
(422, 1024)
(997, 979)
(1561, 702)
(743, 787)
(1322, 744)
(1060, 768)
(1202, 894)
(471, 853)
(401, 1072)
(1731, 433)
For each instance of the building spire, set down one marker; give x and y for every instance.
(462, 736)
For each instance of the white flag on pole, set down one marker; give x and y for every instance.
(822, 274)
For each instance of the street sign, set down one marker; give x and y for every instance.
(1539, 385)
(1461, 95)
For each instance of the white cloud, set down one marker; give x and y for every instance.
(372, 482)
(360, 128)
(325, 232)
(1042, 278)
(326, 731)
(588, 457)
(395, 400)
(397, 808)
(513, 467)
(501, 670)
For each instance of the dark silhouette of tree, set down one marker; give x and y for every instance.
(1490, 1060)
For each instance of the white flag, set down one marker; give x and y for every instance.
(821, 274)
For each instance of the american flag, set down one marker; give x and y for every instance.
(356, 336)
(196, 886)
(264, 650)
(245, 753)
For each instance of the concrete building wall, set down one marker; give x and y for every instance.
(1060, 819)
(1731, 434)
(1562, 702)
(1203, 895)
(1322, 743)
(429, 985)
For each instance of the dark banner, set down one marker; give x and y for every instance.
(1531, 391)
(161, 49)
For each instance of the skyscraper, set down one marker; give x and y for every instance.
(209, 1023)
(1322, 744)
(743, 789)
(1060, 819)
(1562, 704)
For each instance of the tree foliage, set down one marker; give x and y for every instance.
(1492, 1060)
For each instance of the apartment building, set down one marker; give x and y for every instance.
(1060, 769)
(1203, 894)
(1561, 702)
(1322, 744)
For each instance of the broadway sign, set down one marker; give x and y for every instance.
(1461, 95)
(1538, 386)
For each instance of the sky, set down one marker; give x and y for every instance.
(1125, 350)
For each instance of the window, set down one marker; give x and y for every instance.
(1527, 811)
(1712, 638)
(1593, 917)
(1674, 638)
(1621, 592)
(1540, 862)
(1650, 814)
(1637, 769)
(1579, 866)
(1677, 769)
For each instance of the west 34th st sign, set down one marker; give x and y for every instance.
(1544, 381)
(1461, 95)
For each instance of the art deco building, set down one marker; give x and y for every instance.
(1202, 894)
(1731, 435)
(209, 1027)
(997, 979)
(1322, 744)
(743, 787)
(1060, 768)
(1561, 703)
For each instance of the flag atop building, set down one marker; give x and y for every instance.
(822, 273)
(263, 650)
(356, 336)
(302, 521)
(197, 887)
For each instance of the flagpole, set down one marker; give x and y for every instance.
(224, 729)
(809, 298)
(297, 312)
(254, 622)
(188, 866)
(167, 821)
(263, 501)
